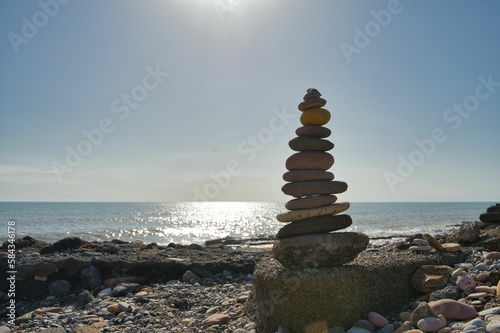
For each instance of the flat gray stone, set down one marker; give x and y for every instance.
(315, 225)
(307, 175)
(306, 143)
(313, 130)
(310, 202)
(300, 189)
(316, 160)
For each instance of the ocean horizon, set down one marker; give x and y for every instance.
(197, 222)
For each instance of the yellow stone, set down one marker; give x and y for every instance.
(433, 242)
(451, 247)
(315, 116)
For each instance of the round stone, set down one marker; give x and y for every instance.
(315, 225)
(316, 131)
(311, 94)
(312, 103)
(377, 319)
(302, 143)
(316, 160)
(296, 215)
(310, 202)
(319, 250)
(466, 282)
(429, 324)
(315, 116)
(305, 175)
(314, 187)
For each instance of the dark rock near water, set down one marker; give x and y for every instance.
(125, 288)
(466, 233)
(492, 214)
(26, 243)
(91, 277)
(59, 288)
(155, 262)
(63, 245)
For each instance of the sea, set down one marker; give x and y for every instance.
(197, 222)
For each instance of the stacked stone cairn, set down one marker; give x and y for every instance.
(307, 241)
(492, 214)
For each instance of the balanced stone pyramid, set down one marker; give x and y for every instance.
(492, 214)
(307, 241)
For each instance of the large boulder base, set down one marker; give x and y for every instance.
(319, 250)
(336, 296)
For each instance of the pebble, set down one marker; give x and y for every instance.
(309, 160)
(217, 319)
(358, 330)
(296, 215)
(466, 282)
(389, 328)
(313, 225)
(312, 103)
(451, 247)
(457, 272)
(377, 319)
(493, 327)
(316, 131)
(433, 242)
(304, 143)
(315, 117)
(310, 202)
(175, 306)
(429, 324)
(306, 175)
(421, 242)
(366, 324)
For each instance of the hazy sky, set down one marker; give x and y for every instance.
(186, 100)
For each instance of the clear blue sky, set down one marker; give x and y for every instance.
(200, 96)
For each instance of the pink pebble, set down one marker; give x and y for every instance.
(489, 262)
(429, 324)
(112, 282)
(453, 310)
(485, 289)
(466, 282)
(377, 319)
(492, 255)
